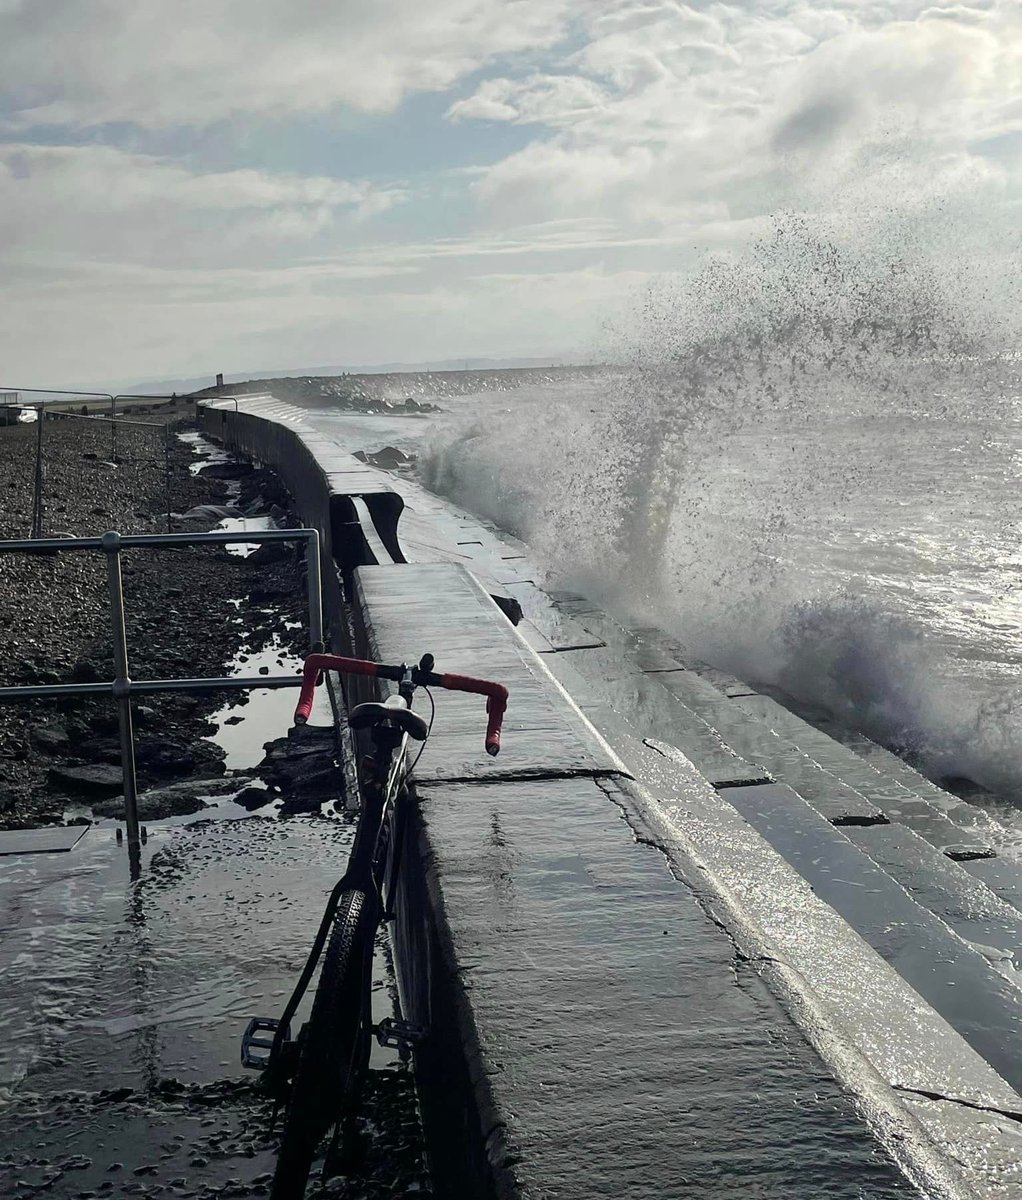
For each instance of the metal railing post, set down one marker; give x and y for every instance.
(166, 469)
(113, 428)
(111, 544)
(37, 487)
(314, 581)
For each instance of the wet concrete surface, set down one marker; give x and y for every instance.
(833, 937)
(124, 1004)
(626, 1047)
(608, 1019)
(954, 978)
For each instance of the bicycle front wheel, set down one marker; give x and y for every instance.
(332, 1050)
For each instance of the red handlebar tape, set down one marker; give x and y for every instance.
(496, 703)
(316, 663)
(496, 693)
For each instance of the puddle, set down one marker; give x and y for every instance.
(268, 712)
(244, 525)
(207, 453)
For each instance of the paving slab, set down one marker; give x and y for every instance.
(893, 797)
(441, 609)
(988, 1144)
(1003, 876)
(960, 899)
(622, 1049)
(609, 692)
(963, 814)
(758, 745)
(957, 981)
(56, 839)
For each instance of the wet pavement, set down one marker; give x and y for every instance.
(124, 1004)
(662, 988)
(882, 894)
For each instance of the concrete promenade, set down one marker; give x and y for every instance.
(686, 944)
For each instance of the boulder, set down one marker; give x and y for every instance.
(174, 800)
(85, 671)
(253, 797)
(97, 779)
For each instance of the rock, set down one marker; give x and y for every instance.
(227, 470)
(297, 806)
(50, 738)
(303, 764)
(387, 459)
(271, 552)
(252, 798)
(94, 780)
(161, 756)
(209, 512)
(85, 671)
(26, 671)
(154, 805)
(104, 721)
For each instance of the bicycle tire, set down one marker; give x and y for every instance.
(331, 1046)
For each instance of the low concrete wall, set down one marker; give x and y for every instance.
(325, 492)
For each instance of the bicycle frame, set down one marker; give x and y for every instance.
(364, 871)
(302, 1069)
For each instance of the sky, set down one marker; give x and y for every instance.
(244, 185)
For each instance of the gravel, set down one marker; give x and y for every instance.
(189, 611)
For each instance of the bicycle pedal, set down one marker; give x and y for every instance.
(257, 1048)
(399, 1035)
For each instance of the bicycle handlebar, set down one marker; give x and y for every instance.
(496, 693)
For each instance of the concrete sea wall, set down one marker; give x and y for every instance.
(672, 942)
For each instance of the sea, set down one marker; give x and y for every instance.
(806, 465)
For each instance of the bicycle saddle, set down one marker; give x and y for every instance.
(363, 716)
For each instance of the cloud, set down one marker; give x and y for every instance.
(102, 202)
(541, 99)
(198, 62)
(585, 147)
(749, 109)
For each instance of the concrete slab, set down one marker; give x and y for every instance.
(620, 1048)
(954, 979)
(441, 609)
(55, 839)
(777, 756)
(562, 631)
(950, 892)
(890, 795)
(966, 816)
(988, 1145)
(884, 1042)
(609, 694)
(1003, 876)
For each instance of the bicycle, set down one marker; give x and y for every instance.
(320, 1074)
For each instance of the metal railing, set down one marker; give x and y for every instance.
(122, 687)
(56, 395)
(161, 447)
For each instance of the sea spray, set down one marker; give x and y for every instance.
(805, 466)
